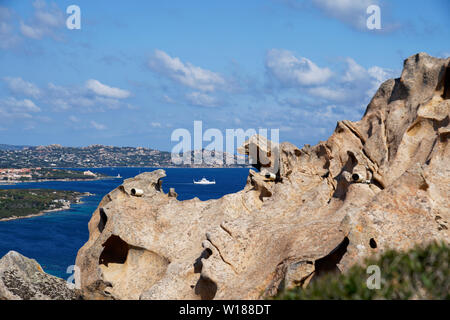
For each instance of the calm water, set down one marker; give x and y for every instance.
(54, 239)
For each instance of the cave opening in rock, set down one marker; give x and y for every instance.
(373, 243)
(198, 265)
(103, 220)
(115, 251)
(377, 183)
(206, 288)
(446, 94)
(328, 264)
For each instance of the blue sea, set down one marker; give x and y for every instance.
(54, 238)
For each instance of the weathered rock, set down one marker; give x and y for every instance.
(379, 183)
(23, 279)
(172, 193)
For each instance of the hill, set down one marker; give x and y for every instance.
(93, 156)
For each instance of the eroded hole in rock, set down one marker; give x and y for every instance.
(198, 265)
(329, 263)
(399, 92)
(115, 251)
(373, 243)
(206, 288)
(103, 220)
(158, 186)
(137, 192)
(264, 194)
(446, 94)
(377, 183)
(342, 183)
(424, 186)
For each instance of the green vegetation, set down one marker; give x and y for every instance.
(39, 174)
(58, 174)
(422, 273)
(21, 203)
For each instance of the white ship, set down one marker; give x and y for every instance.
(204, 181)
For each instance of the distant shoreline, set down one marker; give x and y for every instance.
(7, 183)
(35, 215)
(165, 167)
(64, 208)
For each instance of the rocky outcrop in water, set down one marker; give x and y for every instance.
(22, 278)
(382, 182)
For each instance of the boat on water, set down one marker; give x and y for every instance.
(119, 176)
(204, 181)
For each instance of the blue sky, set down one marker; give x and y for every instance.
(137, 70)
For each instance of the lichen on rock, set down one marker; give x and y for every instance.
(22, 278)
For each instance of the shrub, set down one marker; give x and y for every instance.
(421, 273)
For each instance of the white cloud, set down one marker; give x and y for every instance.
(84, 99)
(12, 108)
(314, 109)
(46, 20)
(74, 119)
(352, 12)
(31, 32)
(98, 126)
(354, 71)
(334, 94)
(14, 105)
(185, 73)
(39, 4)
(355, 85)
(168, 99)
(103, 90)
(8, 38)
(379, 74)
(19, 86)
(202, 99)
(156, 125)
(291, 71)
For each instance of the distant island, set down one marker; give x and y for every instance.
(22, 203)
(96, 156)
(9, 175)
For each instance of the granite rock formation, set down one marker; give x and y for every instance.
(382, 182)
(22, 278)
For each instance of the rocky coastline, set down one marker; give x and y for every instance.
(377, 184)
(66, 206)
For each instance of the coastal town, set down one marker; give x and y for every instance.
(57, 156)
(10, 175)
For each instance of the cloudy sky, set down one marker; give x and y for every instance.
(137, 70)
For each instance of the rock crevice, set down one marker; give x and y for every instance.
(375, 184)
